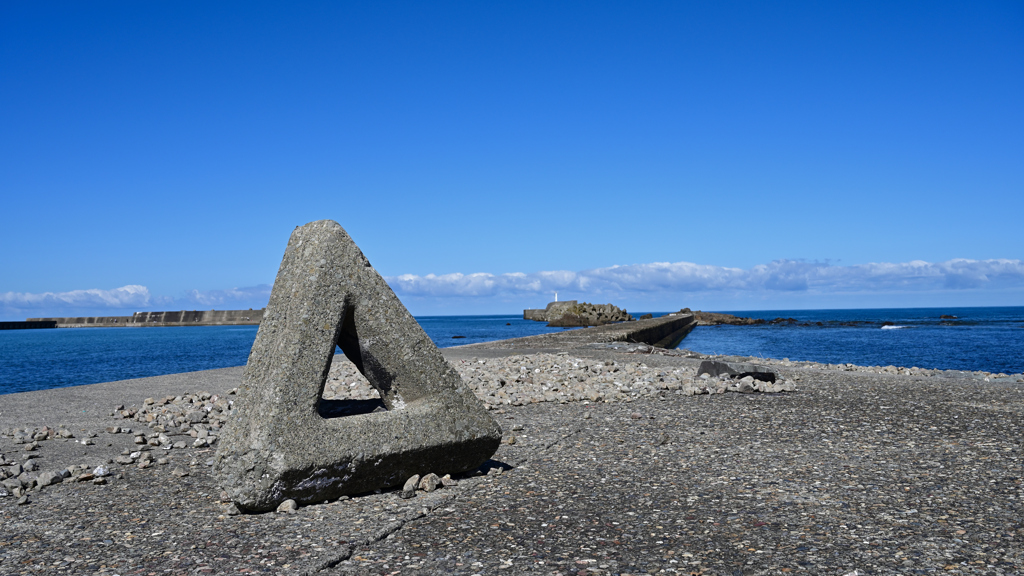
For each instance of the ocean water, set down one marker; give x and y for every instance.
(41, 359)
(989, 339)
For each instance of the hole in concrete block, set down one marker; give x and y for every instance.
(347, 392)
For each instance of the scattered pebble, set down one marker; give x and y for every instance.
(288, 506)
(409, 490)
(430, 482)
(522, 380)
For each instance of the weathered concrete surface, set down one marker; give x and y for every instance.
(878, 473)
(550, 312)
(278, 446)
(535, 314)
(664, 332)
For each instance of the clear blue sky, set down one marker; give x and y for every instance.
(773, 155)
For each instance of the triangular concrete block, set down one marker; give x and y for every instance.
(277, 446)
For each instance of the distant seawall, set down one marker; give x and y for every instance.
(27, 325)
(158, 319)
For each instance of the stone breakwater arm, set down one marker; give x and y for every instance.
(664, 332)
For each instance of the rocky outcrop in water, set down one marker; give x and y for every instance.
(586, 314)
(716, 318)
(572, 314)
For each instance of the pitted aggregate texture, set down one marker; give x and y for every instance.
(884, 474)
(277, 445)
(824, 484)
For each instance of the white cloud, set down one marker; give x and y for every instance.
(125, 301)
(775, 277)
(779, 281)
(131, 296)
(248, 297)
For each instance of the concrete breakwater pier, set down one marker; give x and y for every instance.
(663, 332)
(155, 319)
(611, 463)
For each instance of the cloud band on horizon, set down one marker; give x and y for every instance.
(130, 296)
(779, 277)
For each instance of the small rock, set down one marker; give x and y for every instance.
(48, 479)
(179, 472)
(430, 482)
(511, 440)
(448, 481)
(113, 429)
(409, 490)
(99, 481)
(288, 506)
(24, 500)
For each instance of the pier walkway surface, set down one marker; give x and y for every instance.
(855, 470)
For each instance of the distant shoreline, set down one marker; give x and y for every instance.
(146, 320)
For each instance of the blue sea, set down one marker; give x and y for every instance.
(989, 339)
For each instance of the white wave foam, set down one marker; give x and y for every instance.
(893, 327)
